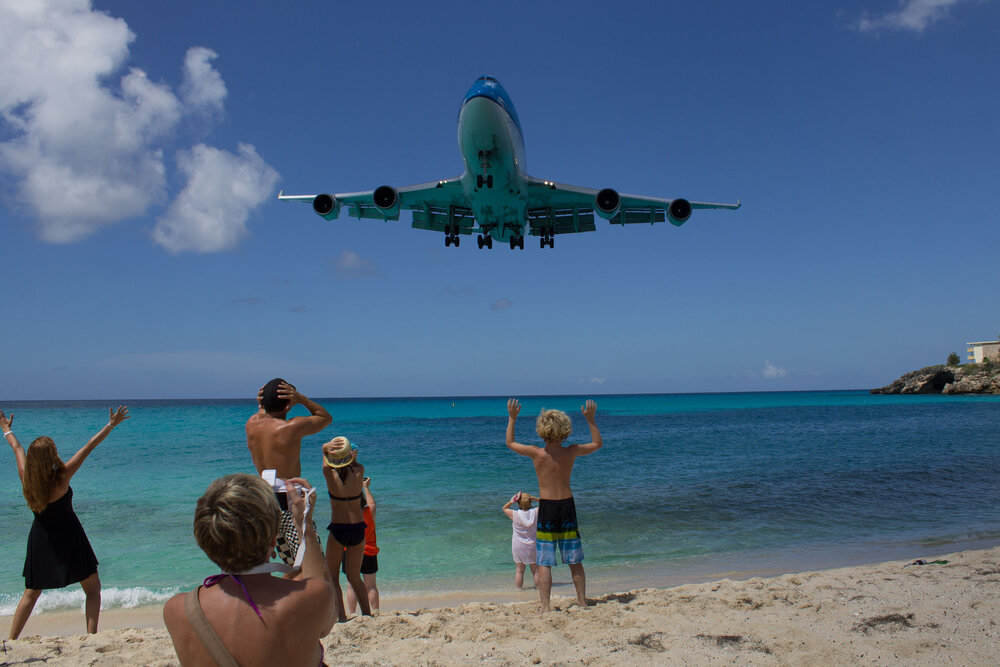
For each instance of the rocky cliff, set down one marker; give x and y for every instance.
(967, 379)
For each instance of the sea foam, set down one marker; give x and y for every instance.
(72, 598)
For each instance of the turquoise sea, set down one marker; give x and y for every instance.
(685, 486)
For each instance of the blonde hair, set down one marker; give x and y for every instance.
(42, 470)
(524, 502)
(553, 425)
(236, 522)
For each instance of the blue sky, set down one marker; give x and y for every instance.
(144, 254)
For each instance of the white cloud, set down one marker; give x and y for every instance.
(349, 265)
(915, 15)
(772, 372)
(203, 86)
(210, 214)
(86, 149)
(501, 304)
(593, 380)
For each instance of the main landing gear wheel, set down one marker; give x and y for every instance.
(517, 242)
(451, 235)
(485, 241)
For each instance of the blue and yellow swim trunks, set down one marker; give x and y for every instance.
(557, 526)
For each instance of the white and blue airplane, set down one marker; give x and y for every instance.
(495, 198)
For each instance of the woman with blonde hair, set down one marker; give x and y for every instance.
(344, 484)
(59, 553)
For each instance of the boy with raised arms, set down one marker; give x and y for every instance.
(557, 525)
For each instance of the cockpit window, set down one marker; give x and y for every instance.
(486, 77)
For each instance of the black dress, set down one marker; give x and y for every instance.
(59, 553)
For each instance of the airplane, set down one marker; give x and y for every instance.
(495, 198)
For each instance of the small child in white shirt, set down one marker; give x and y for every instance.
(522, 541)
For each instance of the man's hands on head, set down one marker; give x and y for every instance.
(287, 391)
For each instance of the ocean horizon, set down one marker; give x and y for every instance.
(686, 485)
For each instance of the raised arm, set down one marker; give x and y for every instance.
(369, 498)
(115, 417)
(313, 560)
(589, 410)
(7, 424)
(318, 418)
(506, 508)
(334, 485)
(513, 410)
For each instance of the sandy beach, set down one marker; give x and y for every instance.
(883, 614)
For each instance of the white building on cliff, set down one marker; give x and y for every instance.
(980, 351)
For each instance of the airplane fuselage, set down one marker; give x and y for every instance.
(492, 146)
(495, 197)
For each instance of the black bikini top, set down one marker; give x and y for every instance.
(357, 497)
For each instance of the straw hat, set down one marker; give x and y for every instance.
(339, 452)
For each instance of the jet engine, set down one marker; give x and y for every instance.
(679, 211)
(387, 200)
(607, 203)
(326, 206)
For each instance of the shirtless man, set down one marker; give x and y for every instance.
(556, 511)
(275, 443)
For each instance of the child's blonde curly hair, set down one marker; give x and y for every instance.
(553, 425)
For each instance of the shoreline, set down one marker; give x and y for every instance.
(602, 579)
(884, 613)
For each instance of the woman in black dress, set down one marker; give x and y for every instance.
(59, 553)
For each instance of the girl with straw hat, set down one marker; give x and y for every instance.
(344, 482)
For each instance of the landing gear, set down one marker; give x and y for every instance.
(548, 238)
(517, 242)
(485, 241)
(484, 164)
(451, 235)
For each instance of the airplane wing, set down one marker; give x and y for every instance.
(434, 205)
(557, 208)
